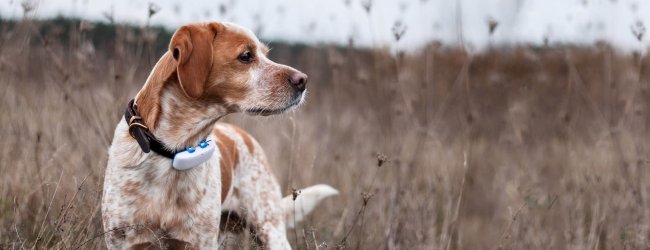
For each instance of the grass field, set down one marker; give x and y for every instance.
(510, 148)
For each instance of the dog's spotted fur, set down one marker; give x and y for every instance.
(148, 204)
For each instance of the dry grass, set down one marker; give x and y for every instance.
(519, 148)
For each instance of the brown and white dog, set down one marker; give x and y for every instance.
(210, 70)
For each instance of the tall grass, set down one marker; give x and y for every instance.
(511, 148)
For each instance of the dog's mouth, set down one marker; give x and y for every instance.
(266, 112)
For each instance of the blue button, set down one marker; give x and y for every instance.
(191, 150)
(203, 144)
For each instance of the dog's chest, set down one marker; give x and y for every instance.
(171, 201)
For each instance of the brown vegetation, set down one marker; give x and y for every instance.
(517, 148)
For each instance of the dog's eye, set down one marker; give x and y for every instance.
(246, 57)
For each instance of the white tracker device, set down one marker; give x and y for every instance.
(194, 156)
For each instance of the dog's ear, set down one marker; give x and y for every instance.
(191, 48)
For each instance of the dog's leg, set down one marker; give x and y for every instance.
(257, 201)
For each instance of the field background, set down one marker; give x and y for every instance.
(509, 148)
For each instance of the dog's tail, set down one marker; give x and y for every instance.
(305, 201)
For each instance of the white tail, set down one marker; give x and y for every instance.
(295, 211)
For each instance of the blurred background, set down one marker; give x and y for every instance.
(484, 124)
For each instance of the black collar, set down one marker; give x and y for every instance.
(141, 133)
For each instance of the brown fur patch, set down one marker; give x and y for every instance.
(148, 99)
(247, 139)
(132, 188)
(228, 84)
(228, 162)
(191, 47)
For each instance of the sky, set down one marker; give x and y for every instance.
(451, 22)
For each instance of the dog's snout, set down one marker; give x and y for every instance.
(298, 81)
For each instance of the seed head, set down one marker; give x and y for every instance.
(366, 197)
(492, 25)
(295, 193)
(381, 159)
(398, 30)
(28, 6)
(638, 30)
(153, 9)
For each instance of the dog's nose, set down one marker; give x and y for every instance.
(298, 81)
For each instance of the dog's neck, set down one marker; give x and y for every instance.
(177, 120)
(182, 121)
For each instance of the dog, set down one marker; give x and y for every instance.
(150, 199)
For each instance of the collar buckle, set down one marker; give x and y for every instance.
(141, 133)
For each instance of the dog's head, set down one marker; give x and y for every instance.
(227, 64)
